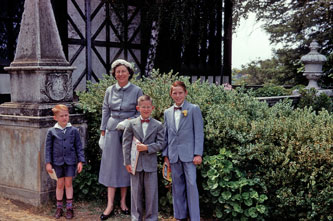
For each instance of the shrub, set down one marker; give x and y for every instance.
(86, 184)
(234, 194)
(294, 157)
(259, 162)
(310, 98)
(269, 90)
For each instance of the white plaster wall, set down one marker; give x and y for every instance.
(97, 65)
(79, 63)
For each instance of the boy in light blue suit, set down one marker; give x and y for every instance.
(184, 147)
(150, 134)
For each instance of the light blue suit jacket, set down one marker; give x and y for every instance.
(188, 140)
(154, 139)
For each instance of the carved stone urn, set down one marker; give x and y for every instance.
(313, 62)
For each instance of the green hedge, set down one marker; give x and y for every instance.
(260, 163)
(269, 90)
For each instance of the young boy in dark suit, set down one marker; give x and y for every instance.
(64, 154)
(150, 134)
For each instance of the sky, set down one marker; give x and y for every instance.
(249, 42)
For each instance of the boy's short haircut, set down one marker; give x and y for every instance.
(145, 98)
(178, 84)
(59, 107)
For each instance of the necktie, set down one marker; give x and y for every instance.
(178, 108)
(144, 120)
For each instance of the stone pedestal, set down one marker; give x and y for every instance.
(40, 78)
(45, 84)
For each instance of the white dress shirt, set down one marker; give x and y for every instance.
(144, 126)
(178, 115)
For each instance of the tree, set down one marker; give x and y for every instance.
(10, 17)
(263, 71)
(188, 36)
(294, 24)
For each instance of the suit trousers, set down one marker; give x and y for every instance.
(184, 190)
(146, 181)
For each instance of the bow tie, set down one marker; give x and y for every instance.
(144, 120)
(178, 108)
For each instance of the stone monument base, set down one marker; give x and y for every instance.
(27, 196)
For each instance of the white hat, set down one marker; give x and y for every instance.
(123, 62)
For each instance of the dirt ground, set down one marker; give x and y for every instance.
(12, 210)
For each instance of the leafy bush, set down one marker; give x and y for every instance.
(310, 98)
(294, 157)
(235, 196)
(86, 184)
(280, 146)
(269, 90)
(251, 152)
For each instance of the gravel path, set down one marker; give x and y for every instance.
(12, 210)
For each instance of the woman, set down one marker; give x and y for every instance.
(119, 104)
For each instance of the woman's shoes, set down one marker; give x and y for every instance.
(105, 217)
(125, 212)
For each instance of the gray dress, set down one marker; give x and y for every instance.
(119, 104)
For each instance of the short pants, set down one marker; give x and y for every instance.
(65, 170)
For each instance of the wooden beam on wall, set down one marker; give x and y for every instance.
(227, 42)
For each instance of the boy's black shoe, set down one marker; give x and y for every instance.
(58, 213)
(69, 213)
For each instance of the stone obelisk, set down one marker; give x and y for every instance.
(40, 77)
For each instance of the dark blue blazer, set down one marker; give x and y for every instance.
(61, 148)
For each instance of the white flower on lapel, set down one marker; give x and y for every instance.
(184, 112)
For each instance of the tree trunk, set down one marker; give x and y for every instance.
(152, 48)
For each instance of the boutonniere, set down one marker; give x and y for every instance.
(184, 112)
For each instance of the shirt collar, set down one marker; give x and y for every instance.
(180, 105)
(59, 127)
(144, 119)
(126, 86)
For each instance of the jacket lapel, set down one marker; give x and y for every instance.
(172, 122)
(150, 129)
(138, 128)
